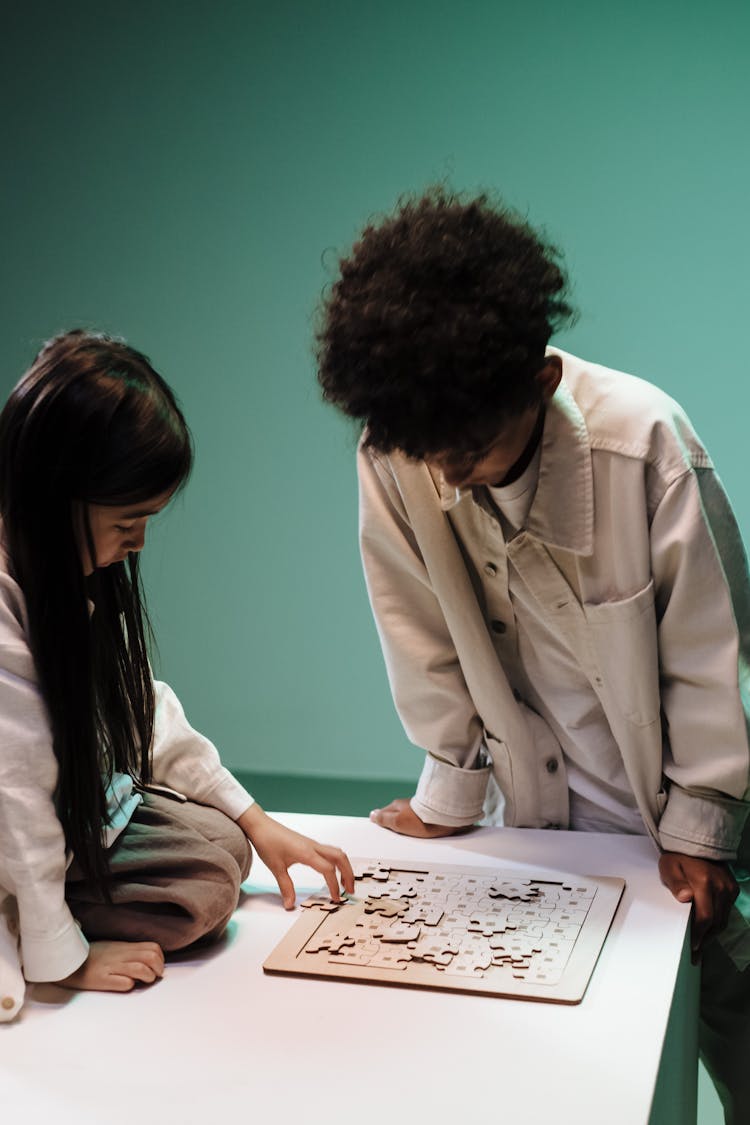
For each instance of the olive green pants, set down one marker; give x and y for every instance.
(176, 874)
(725, 1010)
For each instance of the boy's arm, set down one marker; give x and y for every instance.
(703, 607)
(426, 681)
(708, 884)
(703, 613)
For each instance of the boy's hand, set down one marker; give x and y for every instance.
(280, 847)
(116, 966)
(709, 885)
(400, 817)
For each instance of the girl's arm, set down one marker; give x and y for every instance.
(280, 847)
(186, 761)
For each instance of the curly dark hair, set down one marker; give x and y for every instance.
(437, 323)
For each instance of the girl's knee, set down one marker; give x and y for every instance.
(235, 842)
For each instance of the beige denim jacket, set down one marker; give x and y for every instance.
(632, 549)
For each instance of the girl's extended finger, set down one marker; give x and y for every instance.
(341, 861)
(328, 870)
(347, 873)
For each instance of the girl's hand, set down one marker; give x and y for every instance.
(115, 966)
(280, 847)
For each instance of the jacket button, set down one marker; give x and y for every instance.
(490, 569)
(517, 695)
(7, 1003)
(498, 626)
(551, 765)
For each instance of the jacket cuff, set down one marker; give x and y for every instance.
(53, 958)
(707, 827)
(449, 795)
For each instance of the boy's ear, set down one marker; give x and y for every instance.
(549, 376)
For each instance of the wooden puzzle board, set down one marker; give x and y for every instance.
(467, 929)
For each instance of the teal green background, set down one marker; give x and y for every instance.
(185, 175)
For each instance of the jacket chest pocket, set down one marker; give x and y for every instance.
(624, 637)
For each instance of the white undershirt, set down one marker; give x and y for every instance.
(514, 501)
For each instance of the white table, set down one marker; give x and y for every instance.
(219, 1041)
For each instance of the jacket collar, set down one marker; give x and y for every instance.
(562, 512)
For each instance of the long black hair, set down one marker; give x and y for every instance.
(90, 422)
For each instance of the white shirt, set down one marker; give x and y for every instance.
(39, 938)
(549, 677)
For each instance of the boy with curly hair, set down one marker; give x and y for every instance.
(557, 578)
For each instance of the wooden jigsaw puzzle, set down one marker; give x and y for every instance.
(468, 929)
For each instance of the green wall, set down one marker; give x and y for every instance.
(184, 174)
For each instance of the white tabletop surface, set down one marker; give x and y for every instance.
(217, 1040)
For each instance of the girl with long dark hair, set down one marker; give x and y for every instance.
(121, 834)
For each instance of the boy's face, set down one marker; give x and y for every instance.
(510, 450)
(494, 464)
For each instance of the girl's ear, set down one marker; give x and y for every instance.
(549, 376)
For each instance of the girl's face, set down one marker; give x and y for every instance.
(116, 530)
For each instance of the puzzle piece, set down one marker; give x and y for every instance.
(388, 907)
(439, 960)
(374, 870)
(519, 948)
(395, 888)
(529, 933)
(332, 942)
(486, 924)
(519, 889)
(322, 902)
(424, 912)
(525, 917)
(570, 917)
(398, 959)
(564, 933)
(361, 953)
(468, 964)
(400, 931)
(439, 950)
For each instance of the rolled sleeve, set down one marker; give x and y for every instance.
(448, 795)
(707, 827)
